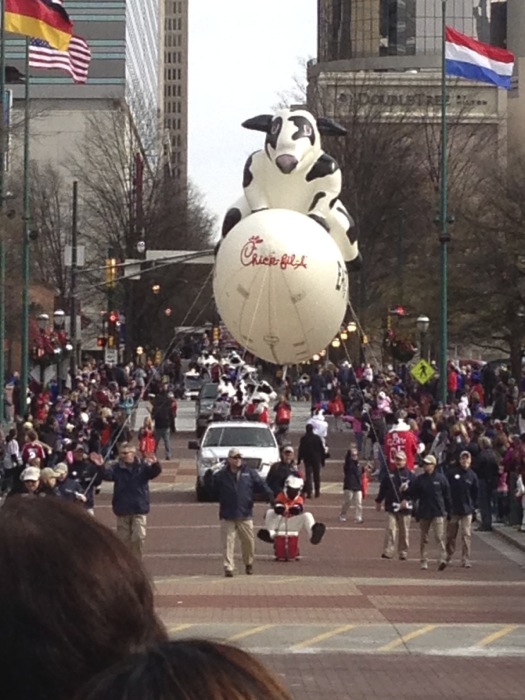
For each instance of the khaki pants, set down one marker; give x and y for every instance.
(397, 527)
(438, 525)
(453, 525)
(244, 529)
(355, 497)
(131, 529)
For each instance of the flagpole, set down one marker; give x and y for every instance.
(3, 151)
(444, 236)
(24, 364)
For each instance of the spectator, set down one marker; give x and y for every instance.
(162, 416)
(281, 470)
(352, 486)
(169, 671)
(72, 600)
(28, 484)
(131, 498)
(486, 468)
(312, 454)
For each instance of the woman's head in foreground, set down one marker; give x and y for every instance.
(191, 669)
(73, 599)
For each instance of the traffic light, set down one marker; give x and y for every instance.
(216, 336)
(101, 341)
(398, 311)
(113, 329)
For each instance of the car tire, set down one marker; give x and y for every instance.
(201, 493)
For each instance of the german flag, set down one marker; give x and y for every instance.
(43, 19)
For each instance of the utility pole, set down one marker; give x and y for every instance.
(73, 289)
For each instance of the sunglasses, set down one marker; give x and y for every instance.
(236, 456)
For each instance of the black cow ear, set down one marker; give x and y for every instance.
(262, 122)
(328, 127)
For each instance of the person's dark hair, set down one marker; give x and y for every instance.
(188, 669)
(73, 599)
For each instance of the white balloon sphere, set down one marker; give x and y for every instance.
(280, 285)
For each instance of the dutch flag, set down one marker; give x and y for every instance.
(470, 59)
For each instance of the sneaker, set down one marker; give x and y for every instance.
(359, 520)
(228, 573)
(424, 565)
(402, 556)
(385, 556)
(466, 564)
(449, 558)
(342, 518)
(249, 569)
(265, 536)
(318, 531)
(442, 566)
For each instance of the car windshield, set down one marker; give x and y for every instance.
(240, 437)
(209, 391)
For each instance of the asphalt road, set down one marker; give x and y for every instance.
(341, 622)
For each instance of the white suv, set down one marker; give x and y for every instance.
(255, 441)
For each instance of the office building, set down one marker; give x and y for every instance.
(387, 54)
(174, 99)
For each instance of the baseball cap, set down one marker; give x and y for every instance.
(234, 452)
(430, 459)
(288, 448)
(30, 474)
(61, 468)
(464, 452)
(48, 472)
(401, 455)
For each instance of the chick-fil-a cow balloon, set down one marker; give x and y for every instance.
(293, 172)
(280, 285)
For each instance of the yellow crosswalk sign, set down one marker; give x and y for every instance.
(423, 372)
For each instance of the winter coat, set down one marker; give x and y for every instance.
(390, 490)
(432, 493)
(464, 487)
(131, 486)
(486, 467)
(278, 474)
(311, 450)
(236, 492)
(353, 473)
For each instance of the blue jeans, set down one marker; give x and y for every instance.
(164, 435)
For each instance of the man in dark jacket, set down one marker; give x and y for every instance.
(236, 486)
(162, 417)
(312, 454)
(131, 500)
(281, 470)
(392, 491)
(464, 496)
(432, 493)
(486, 468)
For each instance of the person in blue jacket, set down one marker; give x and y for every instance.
(464, 490)
(131, 497)
(431, 490)
(236, 486)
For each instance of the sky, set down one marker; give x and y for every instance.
(242, 54)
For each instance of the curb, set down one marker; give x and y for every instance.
(512, 537)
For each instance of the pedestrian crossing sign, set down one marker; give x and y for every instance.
(423, 372)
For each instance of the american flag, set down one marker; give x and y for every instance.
(74, 61)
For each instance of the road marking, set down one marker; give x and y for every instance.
(178, 628)
(322, 637)
(486, 641)
(407, 638)
(249, 633)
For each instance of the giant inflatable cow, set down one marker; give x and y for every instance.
(293, 172)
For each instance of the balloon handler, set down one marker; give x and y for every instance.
(286, 519)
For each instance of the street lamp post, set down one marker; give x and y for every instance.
(42, 320)
(59, 318)
(422, 324)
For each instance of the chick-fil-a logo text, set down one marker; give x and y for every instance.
(250, 257)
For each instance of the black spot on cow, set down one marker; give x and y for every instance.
(325, 165)
(304, 127)
(247, 175)
(232, 218)
(273, 133)
(319, 220)
(317, 197)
